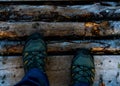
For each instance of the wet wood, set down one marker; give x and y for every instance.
(11, 70)
(59, 13)
(66, 47)
(65, 30)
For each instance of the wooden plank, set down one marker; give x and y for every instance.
(65, 47)
(9, 62)
(10, 77)
(68, 30)
(45, 2)
(59, 13)
(107, 67)
(59, 2)
(11, 70)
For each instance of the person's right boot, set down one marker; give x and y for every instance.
(34, 53)
(83, 68)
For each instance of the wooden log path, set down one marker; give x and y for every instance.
(70, 30)
(66, 27)
(59, 2)
(66, 47)
(49, 13)
(98, 33)
(58, 69)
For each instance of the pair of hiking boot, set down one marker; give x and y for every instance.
(82, 67)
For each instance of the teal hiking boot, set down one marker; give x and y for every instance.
(34, 53)
(83, 68)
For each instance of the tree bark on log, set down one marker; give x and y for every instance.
(59, 13)
(66, 47)
(59, 2)
(69, 30)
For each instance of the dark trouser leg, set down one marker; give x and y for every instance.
(81, 84)
(34, 77)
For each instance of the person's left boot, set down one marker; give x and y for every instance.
(34, 53)
(83, 68)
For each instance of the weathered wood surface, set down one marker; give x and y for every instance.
(107, 68)
(69, 2)
(59, 2)
(64, 30)
(65, 47)
(59, 13)
(91, 35)
(58, 30)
